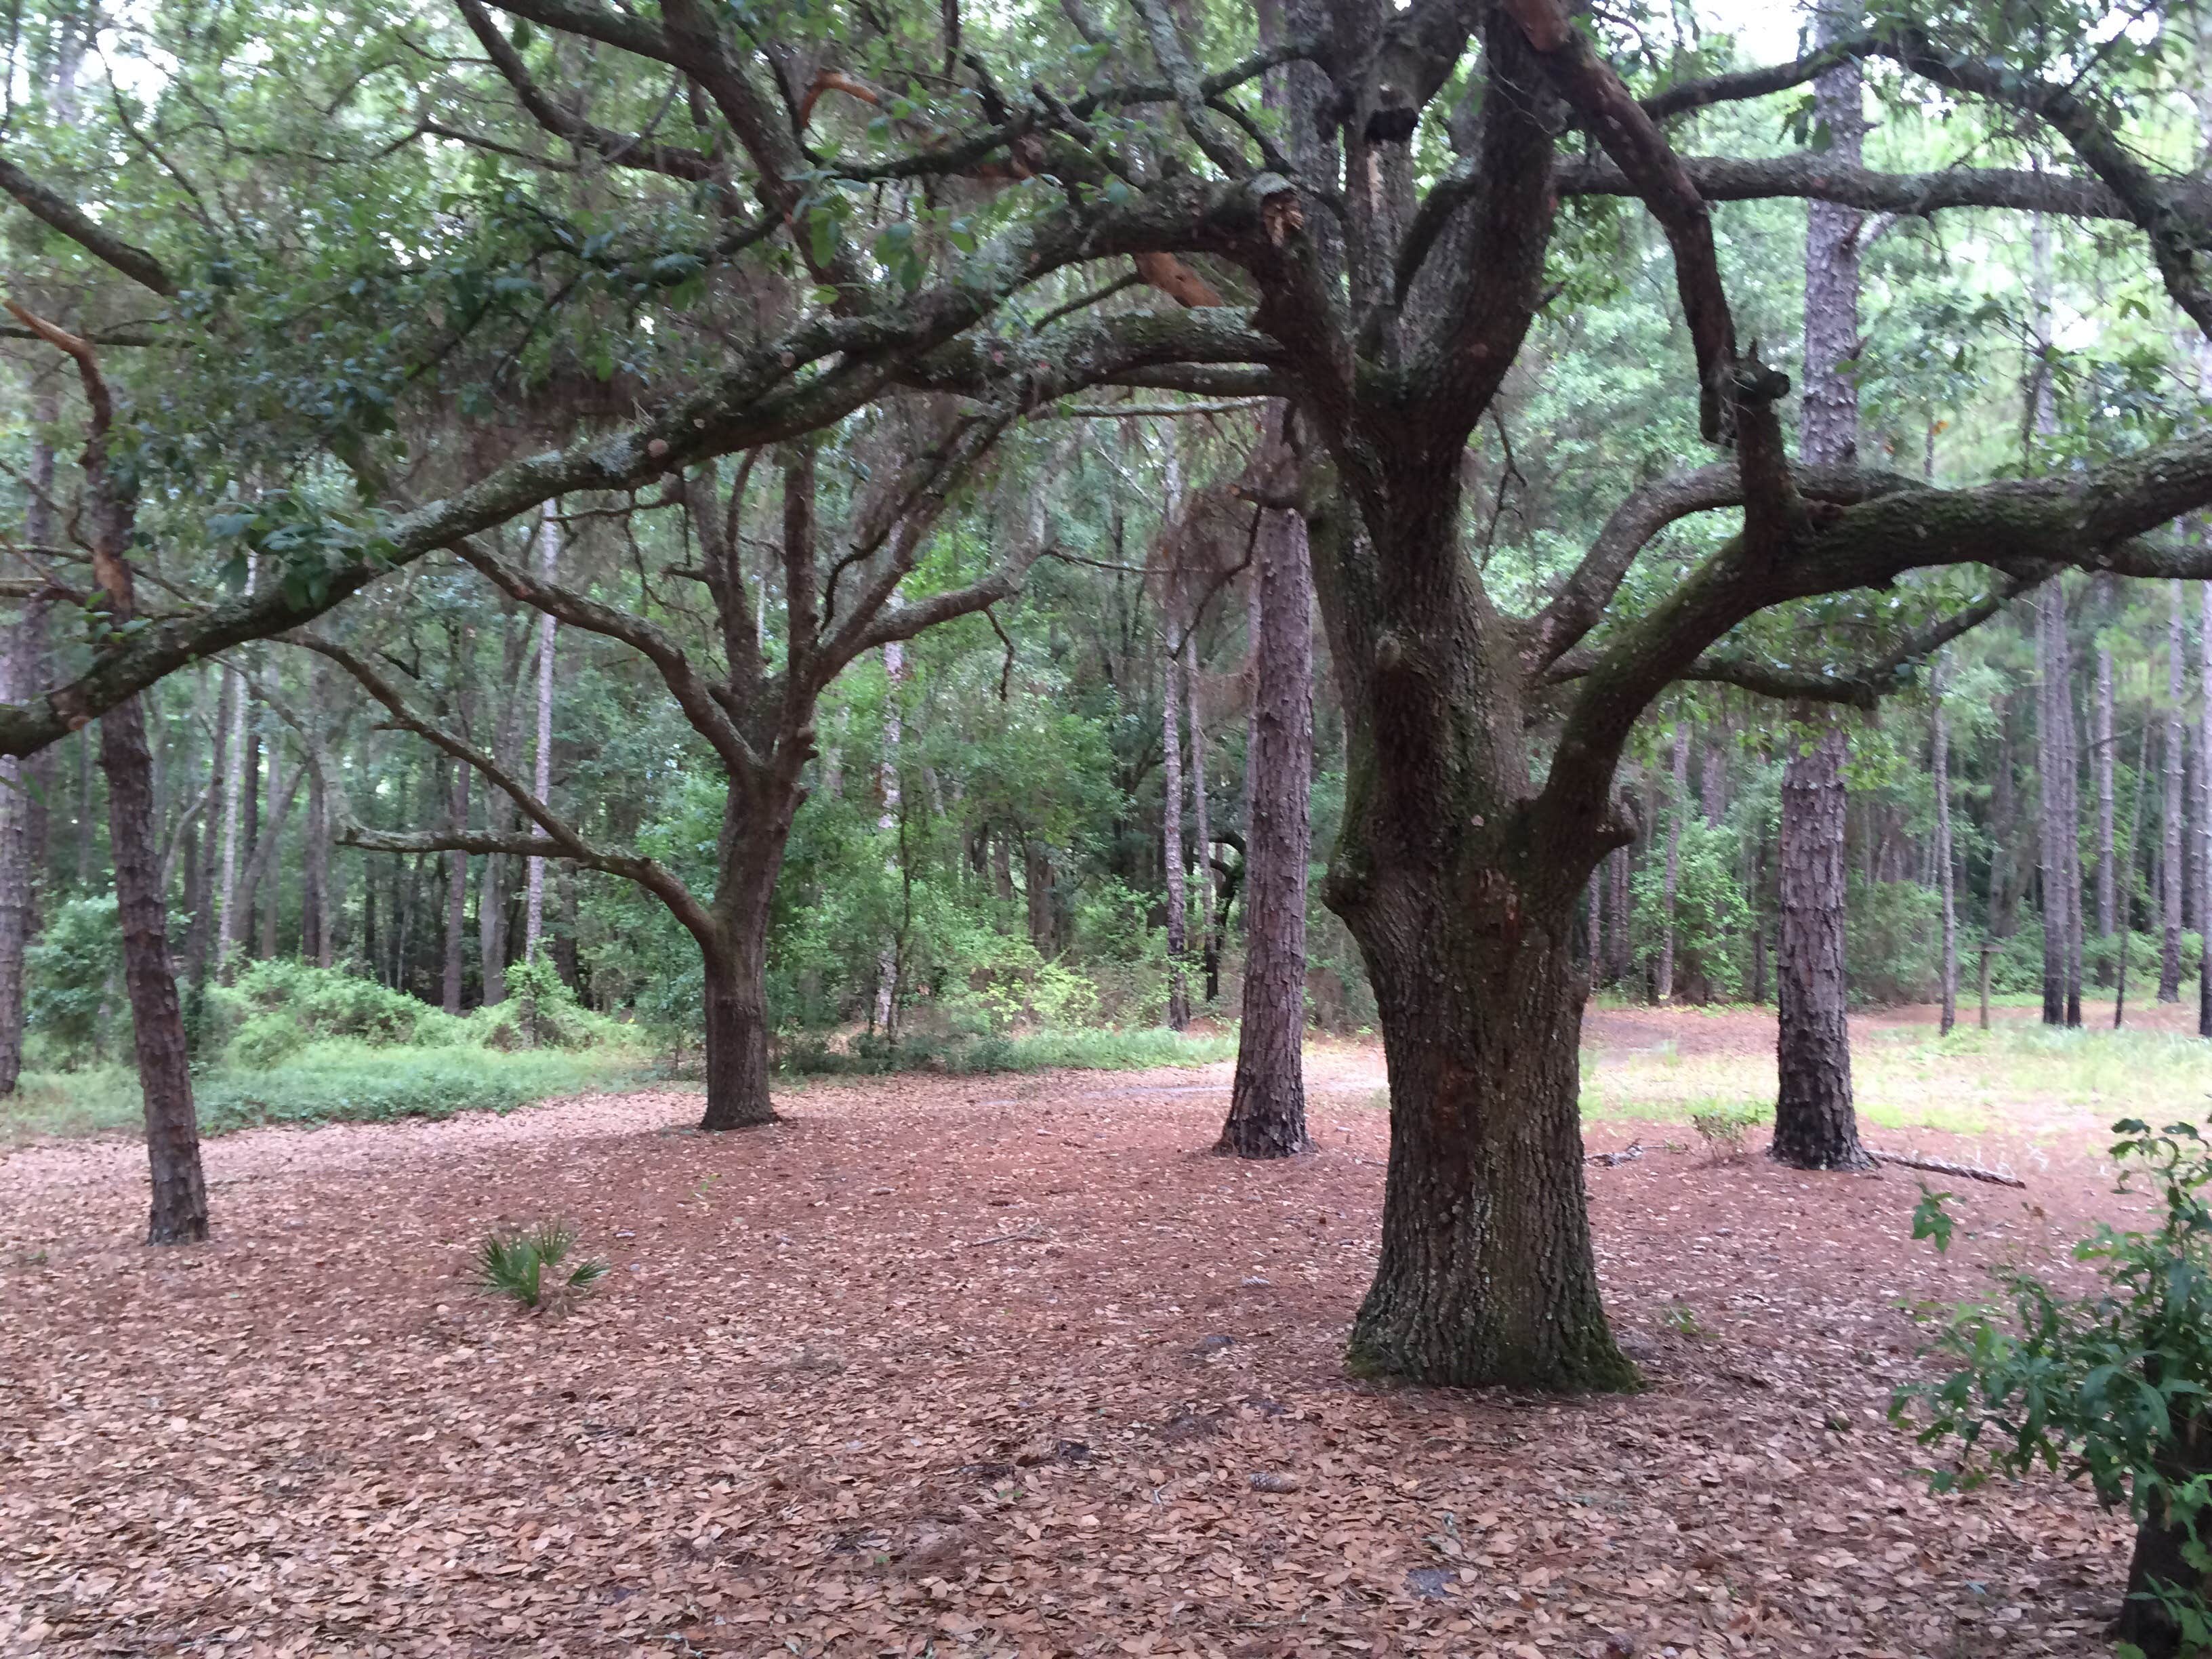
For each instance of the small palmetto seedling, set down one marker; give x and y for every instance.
(526, 1266)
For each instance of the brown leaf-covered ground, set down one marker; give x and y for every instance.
(978, 1366)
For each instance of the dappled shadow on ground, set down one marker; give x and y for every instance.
(986, 1366)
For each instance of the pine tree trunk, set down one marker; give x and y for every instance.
(315, 875)
(1267, 1100)
(887, 823)
(549, 555)
(2204, 811)
(2003, 827)
(16, 684)
(1036, 892)
(1815, 1127)
(1677, 804)
(1624, 943)
(2069, 790)
(1178, 1011)
(227, 918)
(2170, 854)
(456, 891)
(1939, 766)
(564, 943)
(2101, 737)
(1201, 828)
(178, 1212)
(2050, 772)
(200, 931)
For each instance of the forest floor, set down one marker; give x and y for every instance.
(989, 1366)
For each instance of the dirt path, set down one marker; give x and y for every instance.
(971, 1366)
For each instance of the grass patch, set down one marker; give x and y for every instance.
(1075, 1050)
(1973, 1082)
(340, 1081)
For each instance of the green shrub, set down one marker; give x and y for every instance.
(1712, 923)
(351, 1082)
(72, 976)
(1895, 934)
(539, 1013)
(1079, 1050)
(267, 1040)
(2115, 1386)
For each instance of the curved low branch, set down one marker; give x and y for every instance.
(1740, 85)
(814, 374)
(2159, 203)
(64, 215)
(1582, 600)
(1862, 686)
(562, 841)
(685, 684)
(616, 149)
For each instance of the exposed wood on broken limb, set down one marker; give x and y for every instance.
(1945, 1166)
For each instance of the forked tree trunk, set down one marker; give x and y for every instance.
(1267, 1100)
(179, 1213)
(1815, 1127)
(1486, 1273)
(1463, 910)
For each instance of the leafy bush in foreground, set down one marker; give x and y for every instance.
(2116, 1386)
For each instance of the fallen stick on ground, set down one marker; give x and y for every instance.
(1944, 1166)
(1026, 1235)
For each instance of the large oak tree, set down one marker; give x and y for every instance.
(1315, 258)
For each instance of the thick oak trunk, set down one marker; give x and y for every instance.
(1464, 913)
(1814, 1125)
(179, 1213)
(755, 830)
(736, 1007)
(1267, 1101)
(1486, 1273)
